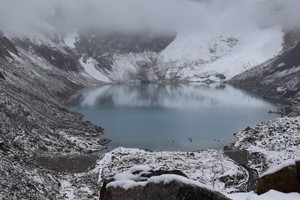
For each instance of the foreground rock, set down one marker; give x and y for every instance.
(210, 167)
(142, 183)
(286, 179)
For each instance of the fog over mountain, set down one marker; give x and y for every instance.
(135, 15)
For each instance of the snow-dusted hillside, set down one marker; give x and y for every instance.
(270, 143)
(277, 78)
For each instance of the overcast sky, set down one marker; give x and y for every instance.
(133, 15)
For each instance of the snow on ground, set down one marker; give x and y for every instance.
(204, 168)
(271, 195)
(90, 69)
(276, 141)
(78, 186)
(67, 191)
(208, 167)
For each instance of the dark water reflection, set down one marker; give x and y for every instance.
(181, 117)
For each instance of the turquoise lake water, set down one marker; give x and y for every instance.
(176, 117)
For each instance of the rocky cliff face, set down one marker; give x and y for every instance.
(137, 184)
(284, 180)
(122, 56)
(103, 46)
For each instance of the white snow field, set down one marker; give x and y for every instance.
(202, 55)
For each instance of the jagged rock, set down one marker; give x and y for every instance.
(6, 47)
(2, 76)
(1, 142)
(66, 61)
(166, 185)
(285, 180)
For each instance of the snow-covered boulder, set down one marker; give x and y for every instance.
(284, 178)
(141, 182)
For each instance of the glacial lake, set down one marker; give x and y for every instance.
(176, 117)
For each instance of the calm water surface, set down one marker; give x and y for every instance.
(183, 117)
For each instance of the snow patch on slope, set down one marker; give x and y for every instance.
(126, 66)
(204, 46)
(90, 69)
(70, 39)
(270, 195)
(67, 191)
(228, 54)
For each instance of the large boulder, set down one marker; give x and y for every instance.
(137, 184)
(286, 179)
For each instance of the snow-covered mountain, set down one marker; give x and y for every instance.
(205, 55)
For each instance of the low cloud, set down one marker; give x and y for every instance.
(136, 15)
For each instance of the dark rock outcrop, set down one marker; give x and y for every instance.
(175, 190)
(6, 47)
(285, 180)
(66, 61)
(70, 163)
(2, 76)
(160, 189)
(239, 156)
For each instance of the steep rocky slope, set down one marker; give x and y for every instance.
(278, 78)
(33, 120)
